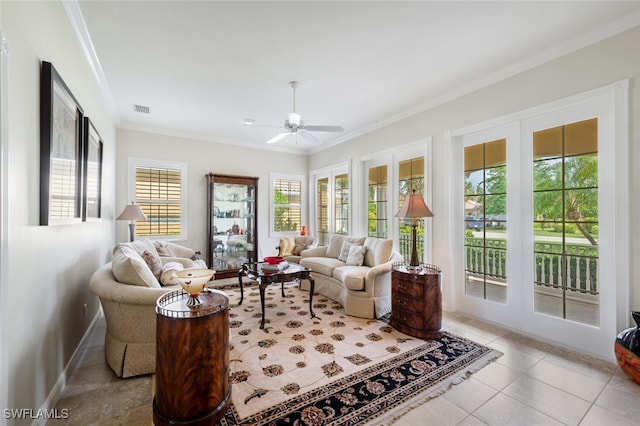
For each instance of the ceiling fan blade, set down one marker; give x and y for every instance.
(278, 137)
(324, 128)
(308, 136)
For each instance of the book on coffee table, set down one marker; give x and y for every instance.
(275, 267)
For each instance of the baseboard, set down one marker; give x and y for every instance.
(46, 411)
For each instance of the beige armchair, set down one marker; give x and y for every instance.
(129, 306)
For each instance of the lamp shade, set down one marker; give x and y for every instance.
(132, 212)
(414, 206)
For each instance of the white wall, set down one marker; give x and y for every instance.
(49, 266)
(203, 157)
(598, 65)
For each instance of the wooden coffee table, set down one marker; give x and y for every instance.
(264, 277)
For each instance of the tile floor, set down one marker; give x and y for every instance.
(533, 383)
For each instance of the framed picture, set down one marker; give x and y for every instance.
(60, 151)
(92, 172)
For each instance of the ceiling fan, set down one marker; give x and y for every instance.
(294, 124)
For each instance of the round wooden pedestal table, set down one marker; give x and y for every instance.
(192, 359)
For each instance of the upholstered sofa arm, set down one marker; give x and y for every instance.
(103, 283)
(314, 252)
(381, 274)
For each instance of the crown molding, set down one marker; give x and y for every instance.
(72, 9)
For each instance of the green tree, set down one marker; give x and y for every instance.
(281, 221)
(578, 176)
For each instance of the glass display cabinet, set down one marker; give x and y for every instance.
(232, 223)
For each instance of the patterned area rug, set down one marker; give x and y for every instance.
(333, 369)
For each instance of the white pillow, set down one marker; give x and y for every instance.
(168, 275)
(356, 255)
(344, 251)
(153, 260)
(130, 268)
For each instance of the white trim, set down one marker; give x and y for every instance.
(330, 173)
(610, 105)
(4, 221)
(72, 9)
(61, 383)
(622, 209)
(131, 192)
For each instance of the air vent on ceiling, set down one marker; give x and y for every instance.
(141, 108)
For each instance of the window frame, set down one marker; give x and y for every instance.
(273, 176)
(331, 173)
(134, 164)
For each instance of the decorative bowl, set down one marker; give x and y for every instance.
(193, 281)
(273, 260)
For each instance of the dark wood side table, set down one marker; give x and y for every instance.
(192, 359)
(416, 300)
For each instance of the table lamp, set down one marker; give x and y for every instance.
(414, 207)
(132, 212)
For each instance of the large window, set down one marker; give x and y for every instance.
(322, 213)
(410, 177)
(377, 202)
(565, 196)
(341, 204)
(286, 193)
(159, 190)
(485, 221)
(332, 202)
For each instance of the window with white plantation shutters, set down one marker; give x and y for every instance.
(287, 203)
(159, 191)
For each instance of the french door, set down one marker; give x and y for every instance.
(541, 245)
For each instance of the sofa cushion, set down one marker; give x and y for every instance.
(353, 277)
(335, 244)
(130, 268)
(378, 251)
(321, 265)
(356, 255)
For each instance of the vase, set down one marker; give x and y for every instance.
(303, 231)
(627, 349)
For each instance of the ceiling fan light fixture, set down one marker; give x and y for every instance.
(294, 119)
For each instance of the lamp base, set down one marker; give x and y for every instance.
(132, 231)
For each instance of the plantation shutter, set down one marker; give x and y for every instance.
(159, 195)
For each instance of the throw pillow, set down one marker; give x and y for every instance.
(344, 251)
(130, 268)
(378, 251)
(180, 251)
(168, 275)
(163, 248)
(153, 260)
(356, 255)
(298, 249)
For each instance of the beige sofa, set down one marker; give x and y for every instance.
(128, 292)
(363, 290)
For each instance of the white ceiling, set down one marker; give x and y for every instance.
(203, 66)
